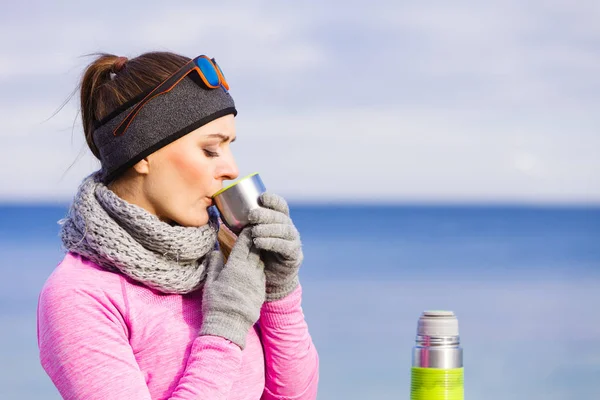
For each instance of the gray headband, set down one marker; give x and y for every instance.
(161, 121)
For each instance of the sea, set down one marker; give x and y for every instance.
(524, 282)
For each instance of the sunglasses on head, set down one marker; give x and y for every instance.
(208, 71)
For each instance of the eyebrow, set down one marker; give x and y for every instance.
(221, 136)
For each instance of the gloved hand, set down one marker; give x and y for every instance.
(234, 292)
(278, 239)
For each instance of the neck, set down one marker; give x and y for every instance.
(130, 188)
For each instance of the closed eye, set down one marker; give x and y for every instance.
(210, 153)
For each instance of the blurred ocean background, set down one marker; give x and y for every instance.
(523, 281)
(408, 108)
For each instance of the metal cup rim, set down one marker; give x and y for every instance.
(234, 184)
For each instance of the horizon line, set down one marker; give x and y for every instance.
(350, 203)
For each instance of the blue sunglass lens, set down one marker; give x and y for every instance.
(208, 70)
(220, 70)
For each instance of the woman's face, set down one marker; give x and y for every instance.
(182, 176)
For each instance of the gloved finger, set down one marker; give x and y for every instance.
(254, 258)
(281, 231)
(289, 249)
(267, 216)
(241, 247)
(274, 202)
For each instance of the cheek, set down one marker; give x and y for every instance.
(191, 166)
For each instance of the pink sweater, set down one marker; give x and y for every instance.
(104, 336)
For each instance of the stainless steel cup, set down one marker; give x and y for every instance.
(237, 200)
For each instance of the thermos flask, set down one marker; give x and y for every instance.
(437, 362)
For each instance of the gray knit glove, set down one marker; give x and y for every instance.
(234, 292)
(278, 239)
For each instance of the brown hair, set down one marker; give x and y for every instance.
(111, 81)
(101, 93)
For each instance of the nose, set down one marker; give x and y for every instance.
(229, 169)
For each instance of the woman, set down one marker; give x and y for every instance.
(153, 299)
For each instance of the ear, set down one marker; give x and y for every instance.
(142, 167)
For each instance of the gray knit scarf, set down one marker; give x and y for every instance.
(125, 238)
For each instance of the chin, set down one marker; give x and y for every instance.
(196, 218)
(200, 218)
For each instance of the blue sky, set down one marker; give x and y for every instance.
(388, 101)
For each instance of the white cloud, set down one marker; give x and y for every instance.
(527, 163)
(403, 101)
